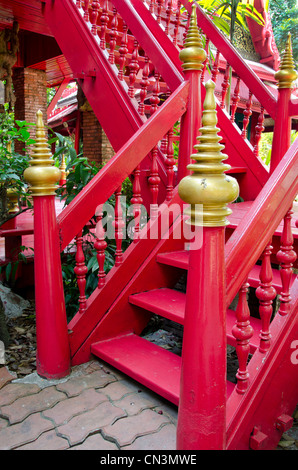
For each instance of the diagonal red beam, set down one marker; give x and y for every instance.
(57, 96)
(246, 74)
(105, 183)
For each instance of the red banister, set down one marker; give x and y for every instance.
(249, 239)
(105, 183)
(149, 34)
(246, 74)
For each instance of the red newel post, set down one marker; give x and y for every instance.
(193, 56)
(282, 127)
(202, 404)
(53, 354)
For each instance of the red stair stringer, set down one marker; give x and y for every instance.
(273, 388)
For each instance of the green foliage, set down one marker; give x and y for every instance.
(9, 270)
(227, 13)
(12, 163)
(284, 19)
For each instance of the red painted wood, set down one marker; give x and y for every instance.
(243, 332)
(202, 416)
(266, 294)
(241, 155)
(170, 303)
(180, 259)
(103, 185)
(139, 267)
(84, 54)
(57, 96)
(282, 128)
(149, 364)
(190, 122)
(262, 219)
(160, 48)
(234, 59)
(273, 387)
(155, 367)
(28, 13)
(53, 354)
(286, 256)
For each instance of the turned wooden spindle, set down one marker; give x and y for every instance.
(259, 130)
(266, 293)
(123, 50)
(80, 272)
(100, 246)
(242, 331)
(145, 82)
(247, 113)
(235, 99)
(133, 69)
(86, 10)
(95, 7)
(136, 202)
(118, 225)
(286, 257)
(104, 19)
(225, 85)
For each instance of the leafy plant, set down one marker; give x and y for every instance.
(13, 164)
(284, 19)
(227, 13)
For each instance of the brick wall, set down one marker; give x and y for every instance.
(96, 146)
(31, 95)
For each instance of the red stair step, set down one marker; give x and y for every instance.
(179, 259)
(154, 367)
(170, 304)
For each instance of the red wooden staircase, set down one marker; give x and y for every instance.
(138, 106)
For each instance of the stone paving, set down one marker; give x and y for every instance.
(95, 408)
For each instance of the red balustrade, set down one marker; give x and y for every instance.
(286, 256)
(81, 271)
(242, 331)
(100, 246)
(266, 293)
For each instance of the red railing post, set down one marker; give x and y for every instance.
(53, 353)
(192, 56)
(285, 77)
(202, 405)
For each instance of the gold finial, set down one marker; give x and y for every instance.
(286, 74)
(42, 175)
(208, 190)
(13, 198)
(63, 168)
(193, 54)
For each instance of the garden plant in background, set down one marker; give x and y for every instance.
(14, 198)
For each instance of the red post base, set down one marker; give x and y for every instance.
(53, 352)
(202, 404)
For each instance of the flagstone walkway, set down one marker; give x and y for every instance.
(95, 408)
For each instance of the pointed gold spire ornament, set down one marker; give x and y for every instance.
(286, 74)
(208, 189)
(193, 53)
(63, 168)
(42, 175)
